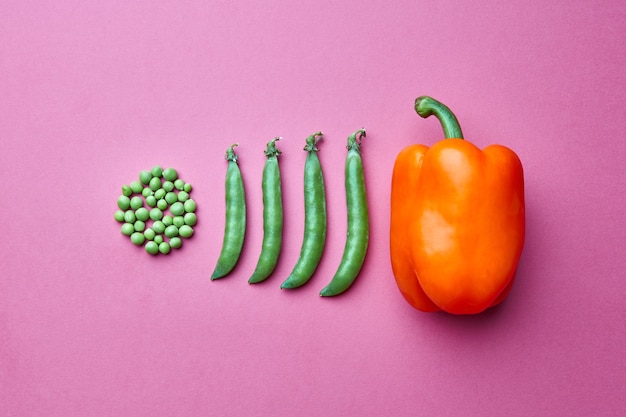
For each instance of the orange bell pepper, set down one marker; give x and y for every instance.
(457, 220)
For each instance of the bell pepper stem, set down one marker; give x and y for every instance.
(426, 106)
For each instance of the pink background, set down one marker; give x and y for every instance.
(92, 92)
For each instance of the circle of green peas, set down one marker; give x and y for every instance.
(157, 211)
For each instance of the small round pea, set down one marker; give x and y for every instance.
(136, 186)
(190, 206)
(155, 183)
(123, 202)
(168, 220)
(136, 202)
(127, 191)
(119, 216)
(171, 197)
(146, 192)
(156, 214)
(145, 177)
(179, 221)
(158, 227)
(176, 242)
(129, 216)
(137, 238)
(142, 214)
(171, 231)
(191, 219)
(157, 171)
(187, 187)
(127, 229)
(170, 174)
(152, 248)
(183, 196)
(159, 194)
(168, 186)
(158, 239)
(177, 209)
(139, 226)
(179, 184)
(151, 201)
(162, 204)
(164, 248)
(149, 234)
(185, 231)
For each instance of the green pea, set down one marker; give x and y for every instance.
(162, 204)
(127, 191)
(136, 202)
(146, 192)
(170, 174)
(358, 220)
(272, 216)
(185, 231)
(190, 219)
(145, 177)
(142, 214)
(156, 214)
(315, 225)
(149, 234)
(190, 206)
(155, 183)
(139, 226)
(128, 229)
(119, 216)
(179, 221)
(171, 231)
(151, 201)
(137, 238)
(159, 194)
(152, 248)
(176, 242)
(187, 187)
(123, 202)
(177, 208)
(168, 220)
(183, 196)
(179, 184)
(158, 239)
(129, 216)
(164, 248)
(168, 186)
(157, 171)
(171, 197)
(158, 227)
(136, 186)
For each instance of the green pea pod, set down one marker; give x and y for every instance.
(235, 227)
(358, 220)
(314, 218)
(272, 216)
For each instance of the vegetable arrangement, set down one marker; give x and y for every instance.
(315, 222)
(160, 190)
(457, 220)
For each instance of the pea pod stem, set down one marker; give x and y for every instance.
(357, 237)
(272, 215)
(235, 224)
(314, 217)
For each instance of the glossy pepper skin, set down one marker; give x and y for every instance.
(457, 220)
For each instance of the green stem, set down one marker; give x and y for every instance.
(230, 153)
(311, 142)
(271, 149)
(354, 140)
(426, 106)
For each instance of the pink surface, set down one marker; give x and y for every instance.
(93, 92)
